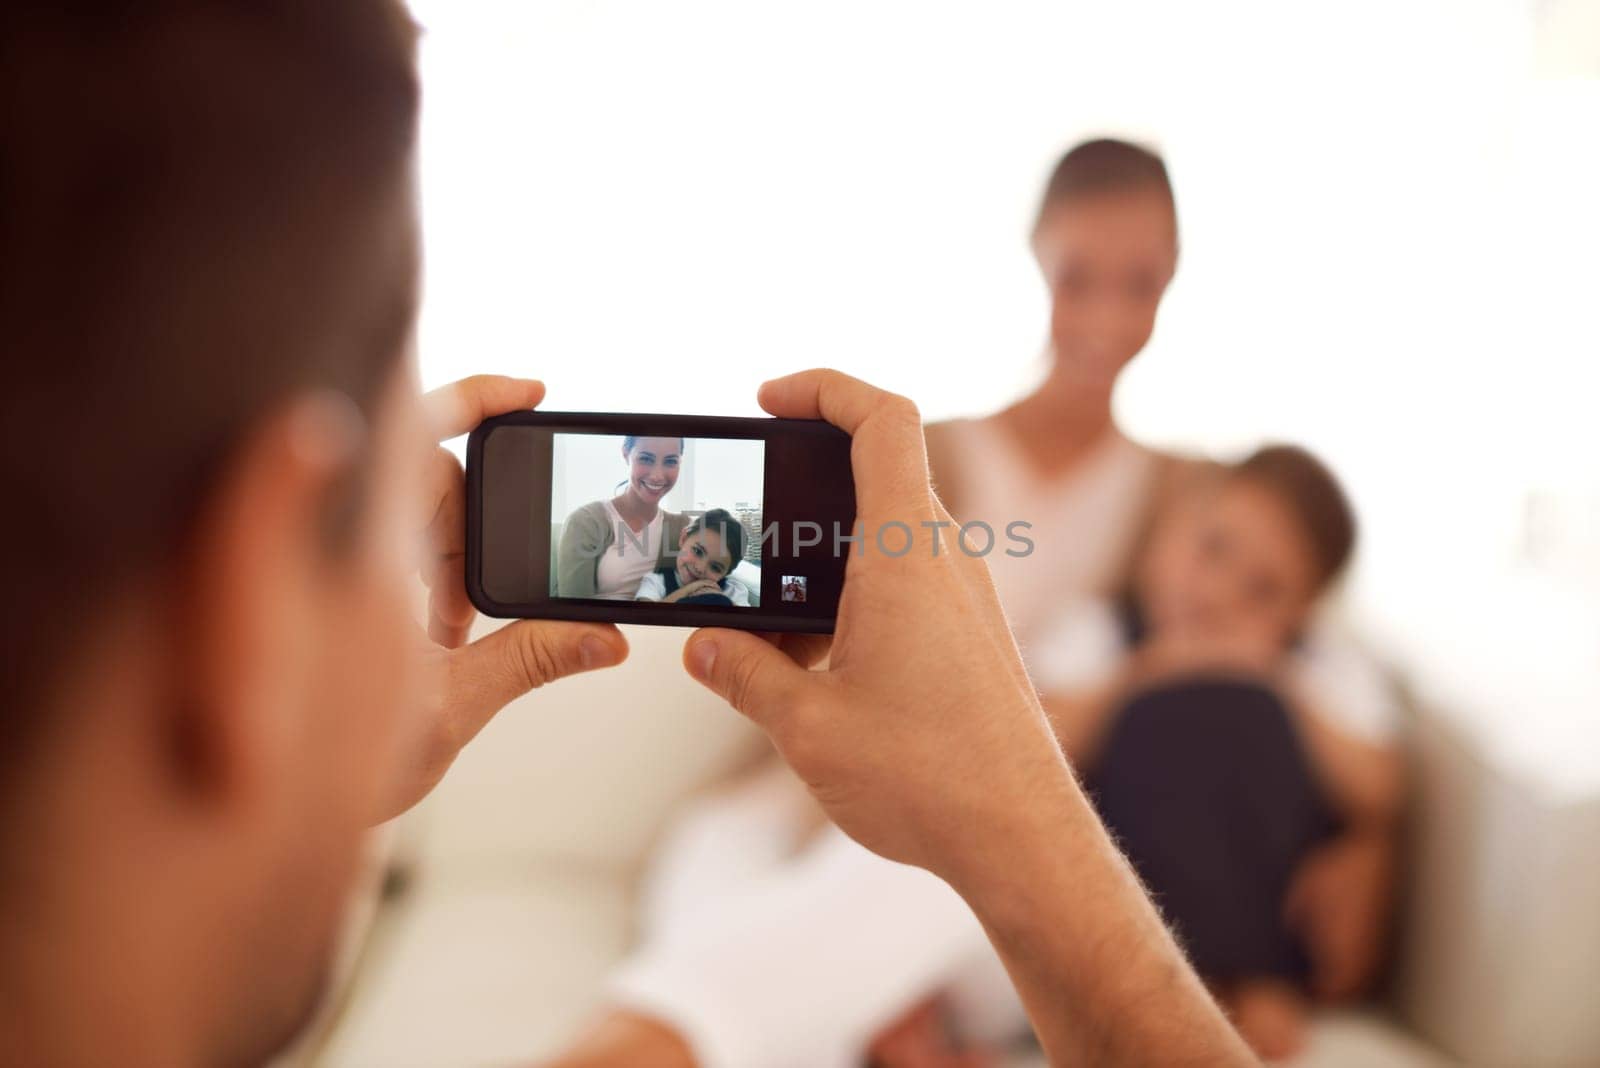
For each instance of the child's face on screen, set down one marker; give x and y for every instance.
(653, 467)
(702, 554)
(1235, 564)
(1107, 259)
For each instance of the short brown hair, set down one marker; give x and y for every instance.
(1107, 165)
(198, 212)
(1314, 495)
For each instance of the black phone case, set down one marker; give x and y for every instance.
(641, 612)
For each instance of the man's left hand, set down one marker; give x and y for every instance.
(477, 679)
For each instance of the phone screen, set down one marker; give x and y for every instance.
(678, 520)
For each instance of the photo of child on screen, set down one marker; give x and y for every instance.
(708, 551)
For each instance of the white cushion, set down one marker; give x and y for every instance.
(584, 771)
(483, 969)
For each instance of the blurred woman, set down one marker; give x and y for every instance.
(1106, 241)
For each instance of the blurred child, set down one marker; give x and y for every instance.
(708, 551)
(1261, 820)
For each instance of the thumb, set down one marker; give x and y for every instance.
(745, 670)
(500, 667)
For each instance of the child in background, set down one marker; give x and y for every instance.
(708, 551)
(1262, 823)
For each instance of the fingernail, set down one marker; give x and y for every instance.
(594, 653)
(701, 657)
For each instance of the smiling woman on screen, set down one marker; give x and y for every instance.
(608, 546)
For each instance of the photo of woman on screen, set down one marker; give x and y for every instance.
(681, 527)
(608, 546)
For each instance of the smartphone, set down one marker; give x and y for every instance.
(671, 520)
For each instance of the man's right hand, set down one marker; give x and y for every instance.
(925, 741)
(924, 736)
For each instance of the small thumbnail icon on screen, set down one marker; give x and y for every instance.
(794, 589)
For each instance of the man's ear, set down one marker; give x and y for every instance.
(248, 589)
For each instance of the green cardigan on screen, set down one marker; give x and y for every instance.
(588, 534)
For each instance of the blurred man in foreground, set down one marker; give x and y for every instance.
(216, 467)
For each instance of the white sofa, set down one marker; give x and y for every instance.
(523, 866)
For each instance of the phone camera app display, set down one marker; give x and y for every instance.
(670, 520)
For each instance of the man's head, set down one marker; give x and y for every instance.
(1251, 552)
(208, 267)
(1106, 239)
(710, 547)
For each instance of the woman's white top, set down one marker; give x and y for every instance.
(1081, 522)
(629, 558)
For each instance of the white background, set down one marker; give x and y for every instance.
(1389, 221)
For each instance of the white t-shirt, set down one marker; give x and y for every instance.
(1084, 647)
(1081, 522)
(628, 559)
(653, 587)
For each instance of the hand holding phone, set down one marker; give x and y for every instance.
(924, 740)
(660, 519)
(474, 679)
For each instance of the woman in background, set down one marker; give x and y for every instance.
(608, 546)
(1106, 241)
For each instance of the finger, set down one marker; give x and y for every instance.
(751, 674)
(444, 570)
(497, 668)
(807, 650)
(450, 612)
(888, 456)
(823, 393)
(455, 409)
(447, 485)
